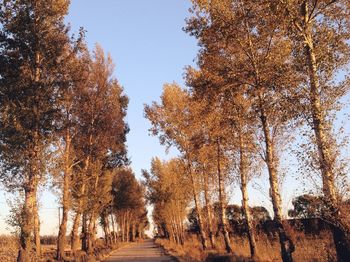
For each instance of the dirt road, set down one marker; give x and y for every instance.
(146, 251)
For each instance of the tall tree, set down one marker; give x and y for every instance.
(320, 31)
(128, 203)
(34, 46)
(172, 121)
(66, 159)
(168, 190)
(101, 140)
(237, 126)
(243, 46)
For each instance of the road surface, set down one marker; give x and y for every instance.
(146, 251)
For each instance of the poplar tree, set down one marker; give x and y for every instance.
(100, 143)
(128, 203)
(239, 43)
(320, 31)
(207, 170)
(168, 190)
(207, 116)
(237, 125)
(66, 158)
(34, 46)
(173, 121)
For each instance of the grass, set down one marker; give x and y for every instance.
(308, 248)
(9, 249)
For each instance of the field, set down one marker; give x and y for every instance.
(308, 248)
(9, 249)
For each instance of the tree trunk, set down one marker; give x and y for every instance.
(176, 232)
(113, 227)
(245, 206)
(141, 234)
(107, 236)
(36, 225)
(287, 246)
(25, 251)
(84, 230)
(30, 222)
(341, 242)
(196, 204)
(123, 227)
(90, 234)
(133, 232)
(176, 226)
(179, 228)
(74, 233)
(110, 236)
(105, 227)
(127, 227)
(61, 240)
(222, 202)
(341, 232)
(170, 231)
(209, 211)
(182, 232)
(139, 231)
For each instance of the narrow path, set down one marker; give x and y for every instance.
(145, 251)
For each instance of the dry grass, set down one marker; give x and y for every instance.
(190, 251)
(9, 249)
(307, 249)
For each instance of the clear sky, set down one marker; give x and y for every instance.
(149, 48)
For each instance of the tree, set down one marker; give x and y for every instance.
(34, 47)
(98, 143)
(243, 46)
(183, 121)
(128, 203)
(260, 214)
(307, 206)
(320, 34)
(101, 140)
(206, 169)
(211, 149)
(66, 159)
(173, 122)
(168, 190)
(237, 127)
